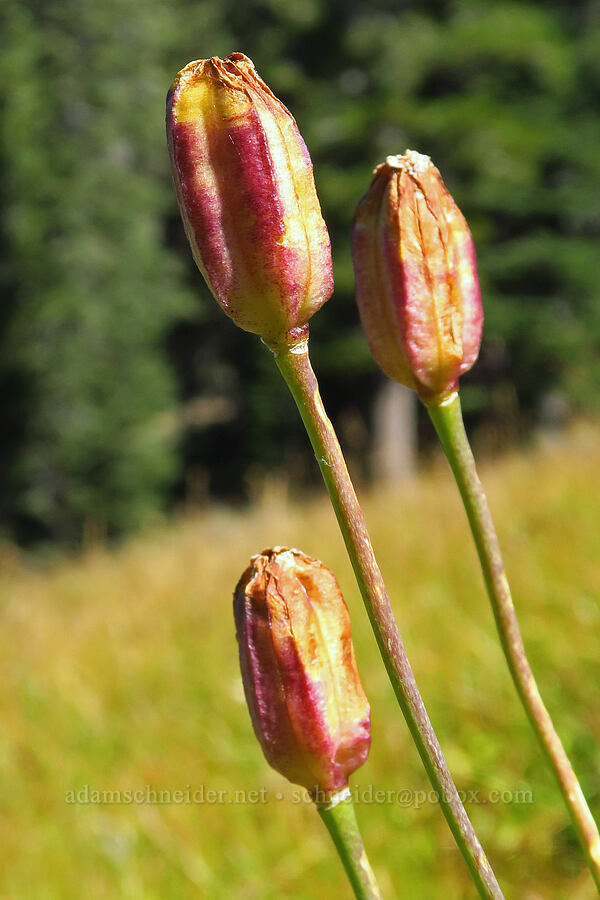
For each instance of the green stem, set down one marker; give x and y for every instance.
(340, 819)
(448, 422)
(295, 367)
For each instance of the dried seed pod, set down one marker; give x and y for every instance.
(247, 196)
(416, 277)
(306, 702)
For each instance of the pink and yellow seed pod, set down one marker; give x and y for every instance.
(245, 186)
(305, 698)
(416, 277)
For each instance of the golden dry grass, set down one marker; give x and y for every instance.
(120, 672)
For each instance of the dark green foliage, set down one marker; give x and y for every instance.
(92, 289)
(106, 325)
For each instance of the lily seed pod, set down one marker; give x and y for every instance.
(416, 277)
(247, 196)
(306, 702)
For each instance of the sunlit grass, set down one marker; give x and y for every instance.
(120, 672)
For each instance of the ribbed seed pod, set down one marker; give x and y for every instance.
(416, 277)
(306, 702)
(247, 196)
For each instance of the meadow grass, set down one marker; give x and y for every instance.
(120, 673)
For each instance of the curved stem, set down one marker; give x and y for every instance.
(448, 422)
(295, 367)
(340, 819)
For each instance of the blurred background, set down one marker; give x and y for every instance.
(125, 391)
(133, 409)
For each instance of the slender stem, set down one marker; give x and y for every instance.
(340, 819)
(295, 367)
(448, 422)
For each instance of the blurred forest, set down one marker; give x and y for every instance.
(124, 388)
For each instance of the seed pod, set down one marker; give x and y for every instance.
(302, 688)
(247, 196)
(416, 277)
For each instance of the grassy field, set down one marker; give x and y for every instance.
(119, 673)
